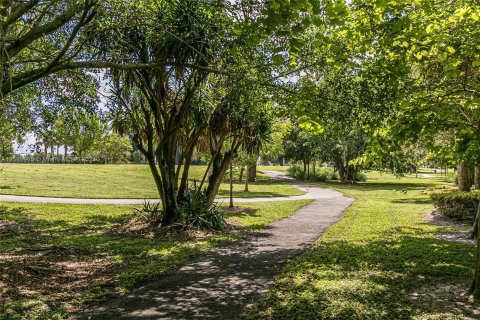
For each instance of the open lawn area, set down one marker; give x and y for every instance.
(283, 169)
(383, 260)
(126, 181)
(56, 259)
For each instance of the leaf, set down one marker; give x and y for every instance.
(278, 59)
(450, 50)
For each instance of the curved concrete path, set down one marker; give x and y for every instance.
(225, 281)
(310, 193)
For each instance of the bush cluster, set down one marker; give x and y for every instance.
(321, 174)
(455, 204)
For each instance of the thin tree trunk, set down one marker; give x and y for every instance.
(247, 178)
(252, 172)
(186, 168)
(240, 178)
(477, 176)
(342, 171)
(231, 184)
(218, 173)
(462, 176)
(474, 232)
(416, 171)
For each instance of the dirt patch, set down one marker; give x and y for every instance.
(59, 274)
(446, 297)
(141, 228)
(462, 229)
(68, 276)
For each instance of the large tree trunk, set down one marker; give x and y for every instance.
(477, 176)
(475, 287)
(65, 152)
(462, 176)
(240, 178)
(343, 173)
(169, 182)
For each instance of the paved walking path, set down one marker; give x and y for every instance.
(225, 281)
(309, 194)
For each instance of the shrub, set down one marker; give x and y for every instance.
(451, 178)
(456, 204)
(325, 174)
(360, 176)
(151, 212)
(296, 171)
(198, 212)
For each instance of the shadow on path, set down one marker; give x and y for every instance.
(225, 281)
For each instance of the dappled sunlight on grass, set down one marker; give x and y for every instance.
(81, 258)
(365, 266)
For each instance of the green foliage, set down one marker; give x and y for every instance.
(198, 212)
(150, 212)
(296, 171)
(322, 174)
(456, 204)
(112, 148)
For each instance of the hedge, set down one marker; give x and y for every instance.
(456, 204)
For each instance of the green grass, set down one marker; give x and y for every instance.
(86, 231)
(110, 181)
(274, 168)
(367, 265)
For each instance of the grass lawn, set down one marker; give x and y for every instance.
(111, 181)
(381, 261)
(55, 259)
(274, 168)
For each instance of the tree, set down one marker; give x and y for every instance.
(113, 148)
(87, 130)
(38, 38)
(301, 145)
(173, 108)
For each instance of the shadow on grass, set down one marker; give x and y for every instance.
(371, 280)
(89, 251)
(252, 194)
(206, 287)
(378, 186)
(411, 201)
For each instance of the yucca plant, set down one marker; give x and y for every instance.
(198, 212)
(150, 212)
